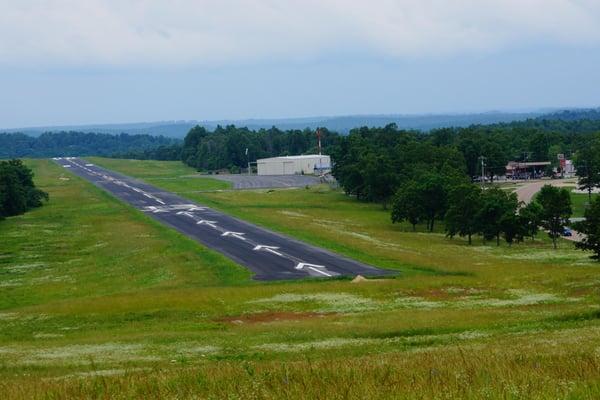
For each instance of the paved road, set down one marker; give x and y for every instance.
(269, 255)
(526, 193)
(268, 181)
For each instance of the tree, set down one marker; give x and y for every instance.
(495, 205)
(495, 159)
(433, 197)
(590, 227)
(13, 194)
(556, 210)
(464, 203)
(17, 190)
(588, 169)
(407, 205)
(512, 227)
(380, 178)
(530, 216)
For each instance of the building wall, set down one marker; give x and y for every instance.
(291, 165)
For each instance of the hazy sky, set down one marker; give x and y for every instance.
(101, 61)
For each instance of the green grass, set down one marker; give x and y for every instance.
(580, 202)
(151, 314)
(171, 175)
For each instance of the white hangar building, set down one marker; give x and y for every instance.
(292, 165)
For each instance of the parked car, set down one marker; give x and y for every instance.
(567, 232)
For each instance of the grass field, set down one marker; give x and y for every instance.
(99, 301)
(171, 175)
(580, 202)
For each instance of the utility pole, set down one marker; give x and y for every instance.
(589, 181)
(482, 159)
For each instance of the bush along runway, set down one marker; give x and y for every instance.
(269, 255)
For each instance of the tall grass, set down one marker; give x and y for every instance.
(452, 373)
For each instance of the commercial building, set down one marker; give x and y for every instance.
(291, 165)
(526, 170)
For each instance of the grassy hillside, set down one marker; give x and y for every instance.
(99, 301)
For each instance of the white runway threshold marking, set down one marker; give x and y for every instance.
(313, 267)
(270, 249)
(187, 214)
(205, 222)
(171, 207)
(238, 235)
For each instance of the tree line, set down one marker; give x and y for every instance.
(65, 144)
(18, 193)
(225, 147)
(428, 178)
(467, 210)
(372, 163)
(531, 140)
(232, 148)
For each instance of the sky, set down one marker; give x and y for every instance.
(104, 61)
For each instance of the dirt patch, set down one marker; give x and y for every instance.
(270, 316)
(362, 279)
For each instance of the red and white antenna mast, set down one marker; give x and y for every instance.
(319, 139)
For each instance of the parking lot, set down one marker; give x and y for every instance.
(268, 181)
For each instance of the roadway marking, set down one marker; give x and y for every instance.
(187, 214)
(319, 271)
(171, 207)
(313, 267)
(270, 249)
(302, 265)
(238, 235)
(209, 223)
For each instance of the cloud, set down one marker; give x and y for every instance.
(187, 32)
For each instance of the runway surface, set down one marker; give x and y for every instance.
(269, 255)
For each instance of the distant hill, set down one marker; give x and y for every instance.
(592, 114)
(64, 144)
(170, 129)
(341, 124)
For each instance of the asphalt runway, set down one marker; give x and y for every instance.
(269, 255)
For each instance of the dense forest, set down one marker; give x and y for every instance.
(64, 144)
(538, 139)
(225, 147)
(531, 140)
(162, 153)
(428, 178)
(394, 156)
(18, 193)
